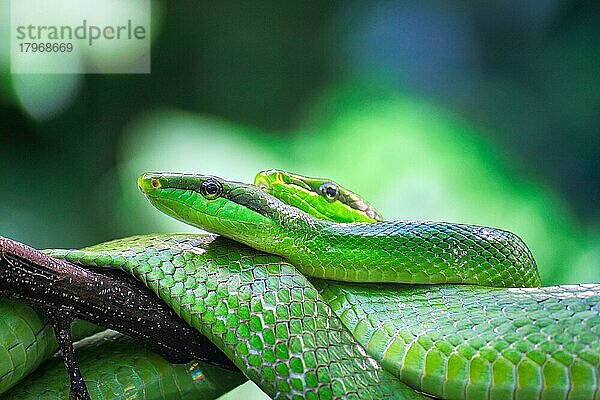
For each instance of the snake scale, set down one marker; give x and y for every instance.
(290, 334)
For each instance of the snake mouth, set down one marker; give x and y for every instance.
(149, 182)
(265, 179)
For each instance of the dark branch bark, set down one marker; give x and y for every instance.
(113, 300)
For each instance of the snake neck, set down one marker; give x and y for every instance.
(289, 234)
(419, 252)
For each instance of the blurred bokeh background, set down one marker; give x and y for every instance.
(475, 112)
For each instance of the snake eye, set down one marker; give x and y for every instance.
(329, 190)
(211, 189)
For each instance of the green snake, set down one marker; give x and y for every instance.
(399, 252)
(452, 341)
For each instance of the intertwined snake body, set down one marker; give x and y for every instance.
(291, 335)
(544, 354)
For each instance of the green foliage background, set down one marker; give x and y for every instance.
(483, 113)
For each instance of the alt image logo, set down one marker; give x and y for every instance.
(107, 36)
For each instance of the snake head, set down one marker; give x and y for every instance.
(322, 198)
(233, 209)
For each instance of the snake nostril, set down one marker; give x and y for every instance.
(155, 183)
